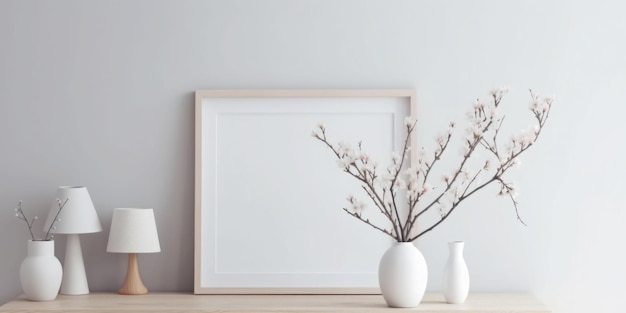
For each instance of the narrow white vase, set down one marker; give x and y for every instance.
(456, 280)
(402, 275)
(41, 271)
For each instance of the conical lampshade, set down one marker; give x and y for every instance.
(78, 215)
(133, 230)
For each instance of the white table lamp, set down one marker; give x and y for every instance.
(77, 217)
(133, 231)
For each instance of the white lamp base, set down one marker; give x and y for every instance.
(74, 275)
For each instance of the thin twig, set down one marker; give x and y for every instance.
(56, 218)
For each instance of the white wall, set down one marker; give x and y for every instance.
(100, 93)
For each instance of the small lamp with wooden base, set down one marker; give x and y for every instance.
(133, 231)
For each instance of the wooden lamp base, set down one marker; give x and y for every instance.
(133, 284)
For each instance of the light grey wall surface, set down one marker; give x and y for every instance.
(100, 93)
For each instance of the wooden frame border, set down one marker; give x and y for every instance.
(409, 94)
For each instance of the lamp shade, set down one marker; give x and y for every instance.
(133, 230)
(78, 216)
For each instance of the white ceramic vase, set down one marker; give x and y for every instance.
(456, 280)
(402, 275)
(41, 271)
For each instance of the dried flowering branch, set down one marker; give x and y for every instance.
(19, 213)
(460, 184)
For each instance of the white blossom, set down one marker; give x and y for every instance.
(441, 139)
(508, 189)
(355, 205)
(493, 112)
(477, 132)
(478, 105)
(395, 157)
(411, 171)
(359, 206)
(344, 163)
(371, 166)
(384, 183)
(466, 174)
(364, 157)
(464, 150)
(527, 137)
(504, 158)
(413, 185)
(400, 183)
(454, 194)
(444, 205)
(442, 210)
(498, 92)
(344, 148)
(516, 162)
(409, 121)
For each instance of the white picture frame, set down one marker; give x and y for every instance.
(268, 196)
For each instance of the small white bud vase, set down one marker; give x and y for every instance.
(41, 271)
(402, 275)
(456, 280)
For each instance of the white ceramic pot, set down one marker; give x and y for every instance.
(456, 280)
(41, 271)
(402, 275)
